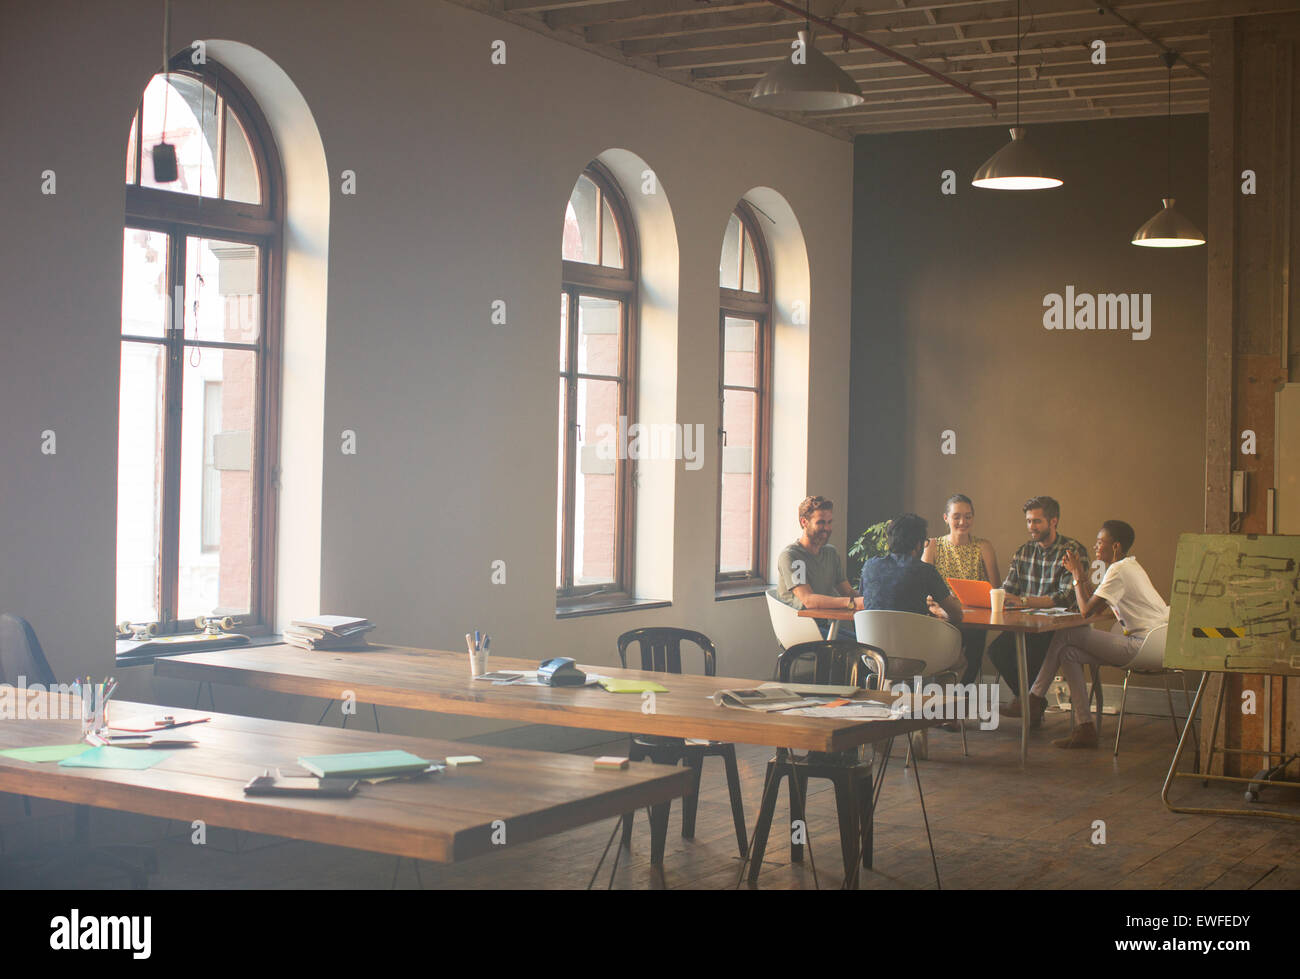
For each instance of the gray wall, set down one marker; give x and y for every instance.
(948, 334)
(463, 171)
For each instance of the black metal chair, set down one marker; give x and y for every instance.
(23, 661)
(661, 652)
(838, 662)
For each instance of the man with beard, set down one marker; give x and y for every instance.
(809, 572)
(1038, 578)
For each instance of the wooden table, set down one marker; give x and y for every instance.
(443, 818)
(1020, 624)
(433, 680)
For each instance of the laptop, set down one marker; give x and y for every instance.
(973, 594)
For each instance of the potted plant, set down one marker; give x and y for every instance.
(872, 542)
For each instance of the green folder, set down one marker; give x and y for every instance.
(52, 752)
(360, 763)
(109, 757)
(616, 685)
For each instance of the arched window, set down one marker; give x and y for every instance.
(201, 266)
(745, 404)
(597, 352)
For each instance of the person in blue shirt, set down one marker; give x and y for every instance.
(901, 582)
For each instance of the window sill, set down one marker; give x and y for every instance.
(724, 591)
(606, 606)
(127, 654)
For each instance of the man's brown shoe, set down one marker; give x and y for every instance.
(1037, 705)
(1084, 736)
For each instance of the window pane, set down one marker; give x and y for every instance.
(611, 244)
(559, 496)
(564, 331)
(729, 266)
(218, 411)
(750, 281)
(139, 480)
(596, 513)
(221, 277)
(600, 323)
(738, 351)
(581, 231)
(130, 151)
(739, 417)
(241, 169)
(144, 283)
(191, 117)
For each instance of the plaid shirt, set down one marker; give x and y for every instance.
(1037, 571)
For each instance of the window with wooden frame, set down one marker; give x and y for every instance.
(199, 396)
(744, 406)
(593, 555)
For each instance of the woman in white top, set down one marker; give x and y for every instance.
(1138, 607)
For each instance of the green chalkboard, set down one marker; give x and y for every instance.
(1236, 604)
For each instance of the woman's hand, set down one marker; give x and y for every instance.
(1070, 560)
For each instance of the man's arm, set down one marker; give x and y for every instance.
(810, 599)
(951, 607)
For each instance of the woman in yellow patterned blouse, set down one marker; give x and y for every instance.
(960, 554)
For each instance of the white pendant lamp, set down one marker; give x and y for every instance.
(807, 81)
(1169, 229)
(1017, 166)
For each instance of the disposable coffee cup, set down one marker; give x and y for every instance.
(997, 601)
(478, 662)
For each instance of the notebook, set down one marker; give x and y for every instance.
(973, 594)
(355, 764)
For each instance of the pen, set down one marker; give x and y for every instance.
(476, 640)
(469, 643)
(487, 641)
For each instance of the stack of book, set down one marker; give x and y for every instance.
(328, 632)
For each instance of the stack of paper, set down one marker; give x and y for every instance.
(328, 632)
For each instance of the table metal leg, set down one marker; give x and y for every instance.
(658, 841)
(834, 631)
(1022, 672)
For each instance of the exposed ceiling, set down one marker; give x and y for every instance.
(725, 46)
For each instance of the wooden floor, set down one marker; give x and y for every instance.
(994, 826)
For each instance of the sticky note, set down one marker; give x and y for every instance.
(611, 762)
(618, 685)
(454, 760)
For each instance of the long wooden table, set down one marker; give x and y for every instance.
(442, 818)
(439, 681)
(1020, 624)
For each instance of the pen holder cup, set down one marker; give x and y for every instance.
(94, 711)
(478, 661)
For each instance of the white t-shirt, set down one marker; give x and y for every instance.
(1137, 605)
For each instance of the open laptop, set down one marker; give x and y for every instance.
(972, 594)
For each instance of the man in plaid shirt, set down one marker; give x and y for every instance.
(1037, 578)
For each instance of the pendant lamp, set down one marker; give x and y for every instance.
(165, 170)
(811, 83)
(1169, 229)
(1017, 166)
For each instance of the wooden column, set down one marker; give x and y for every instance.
(1254, 125)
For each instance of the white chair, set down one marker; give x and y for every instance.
(1150, 661)
(915, 645)
(790, 629)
